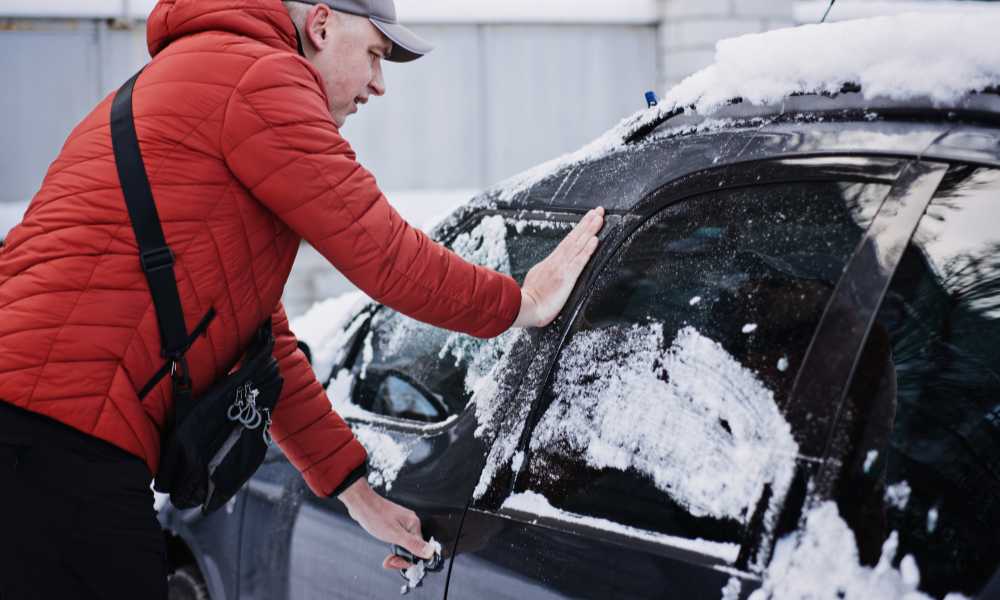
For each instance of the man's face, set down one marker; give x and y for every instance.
(347, 50)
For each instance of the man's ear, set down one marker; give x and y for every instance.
(318, 21)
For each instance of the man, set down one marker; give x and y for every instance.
(238, 119)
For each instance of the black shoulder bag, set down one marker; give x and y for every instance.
(213, 444)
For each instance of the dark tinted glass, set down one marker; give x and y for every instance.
(415, 371)
(663, 412)
(927, 396)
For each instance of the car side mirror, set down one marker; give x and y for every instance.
(395, 395)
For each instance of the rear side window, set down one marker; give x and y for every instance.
(411, 370)
(664, 409)
(927, 444)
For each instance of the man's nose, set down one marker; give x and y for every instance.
(377, 84)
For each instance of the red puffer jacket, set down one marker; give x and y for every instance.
(244, 161)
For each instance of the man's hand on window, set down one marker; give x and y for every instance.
(548, 284)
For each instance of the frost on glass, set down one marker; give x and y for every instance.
(485, 245)
(386, 456)
(327, 326)
(702, 427)
(500, 423)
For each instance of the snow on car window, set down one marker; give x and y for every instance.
(450, 366)
(500, 423)
(820, 562)
(484, 245)
(327, 326)
(695, 421)
(536, 504)
(386, 456)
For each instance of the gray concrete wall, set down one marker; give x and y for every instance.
(690, 29)
(490, 101)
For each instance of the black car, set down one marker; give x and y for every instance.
(792, 309)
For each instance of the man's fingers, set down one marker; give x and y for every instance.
(588, 228)
(393, 562)
(577, 238)
(580, 260)
(417, 545)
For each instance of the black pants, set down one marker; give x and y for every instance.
(76, 516)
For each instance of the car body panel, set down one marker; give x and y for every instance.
(501, 557)
(214, 541)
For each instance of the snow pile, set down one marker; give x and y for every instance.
(820, 562)
(386, 456)
(898, 495)
(536, 504)
(941, 56)
(732, 589)
(702, 427)
(327, 326)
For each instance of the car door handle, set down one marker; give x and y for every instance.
(433, 564)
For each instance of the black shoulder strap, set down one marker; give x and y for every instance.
(155, 257)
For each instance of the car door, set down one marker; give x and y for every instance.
(409, 392)
(658, 442)
(922, 416)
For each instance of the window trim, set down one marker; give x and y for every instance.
(663, 548)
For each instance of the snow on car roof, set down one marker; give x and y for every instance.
(942, 56)
(913, 56)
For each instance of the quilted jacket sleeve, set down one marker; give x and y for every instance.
(281, 142)
(313, 437)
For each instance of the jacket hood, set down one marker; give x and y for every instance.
(264, 20)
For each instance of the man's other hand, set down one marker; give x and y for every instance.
(548, 284)
(386, 521)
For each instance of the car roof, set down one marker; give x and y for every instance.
(806, 127)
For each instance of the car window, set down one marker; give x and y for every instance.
(926, 460)
(663, 410)
(411, 370)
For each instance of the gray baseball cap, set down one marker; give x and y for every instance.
(406, 45)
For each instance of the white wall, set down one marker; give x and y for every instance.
(690, 29)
